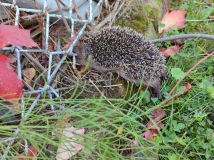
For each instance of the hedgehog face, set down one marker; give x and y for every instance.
(82, 53)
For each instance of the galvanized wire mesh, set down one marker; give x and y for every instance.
(51, 72)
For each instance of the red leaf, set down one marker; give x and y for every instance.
(154, 125)
(32, 152)
(13, 35)
(158, 114)
(170, 51)
(187, 87)
(175, 18)
(150, 134)
(10, 84)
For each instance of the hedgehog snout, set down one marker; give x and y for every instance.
(81, 52)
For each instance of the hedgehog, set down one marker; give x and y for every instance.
(125, 52)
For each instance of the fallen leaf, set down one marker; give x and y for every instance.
(170, 51)
(29, 74)
(175, 18)
(158, 114)
(31, 154)
(68, 147)
(13, 35)
(187, 87)
(10, 84)
(150, 134)
(155, 124)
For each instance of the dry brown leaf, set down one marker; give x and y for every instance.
(68, 147)
(29, 74)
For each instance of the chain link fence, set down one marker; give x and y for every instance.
(52, 70)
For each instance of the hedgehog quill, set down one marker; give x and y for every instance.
(125, 52)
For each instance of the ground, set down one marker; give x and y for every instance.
(114, 126)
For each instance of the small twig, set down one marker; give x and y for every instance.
(166, 101)
(184, 36)
(63, 17)
(35, 61)
(75, 9)
(36, 32)
(119, 7)
(210, 53)
(199, 20)
(166, 6)
(111, 16)
(63, 4)
(100, 92)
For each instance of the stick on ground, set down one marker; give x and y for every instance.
(183, 36)
(210, 53)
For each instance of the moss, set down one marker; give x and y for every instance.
(143, 18)
(136, 20)
(175, 3)
(138, 23)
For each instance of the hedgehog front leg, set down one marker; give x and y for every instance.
(164, 76)
(156, 88)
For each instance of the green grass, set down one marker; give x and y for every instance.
(187, 130)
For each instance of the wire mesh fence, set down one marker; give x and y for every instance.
(52, 69)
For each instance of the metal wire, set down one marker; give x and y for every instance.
(51, 73)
